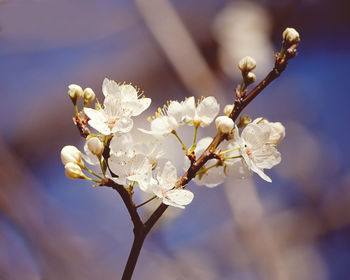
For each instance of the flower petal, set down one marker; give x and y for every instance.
(207, 110)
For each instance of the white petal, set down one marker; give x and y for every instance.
(256, 135)
(202, 145)
(261, 173)
(95, 114)
(189, 108)
(175, 109)
(110, 87)
(123, 125)
(137, 106)
(207, 110)
(237, 169)
(178, 198)
(128, 92)
(214, 177)
(121, 143)
(267, 157)
(167, 176)
(89, 157)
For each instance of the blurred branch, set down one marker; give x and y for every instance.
(178, 45)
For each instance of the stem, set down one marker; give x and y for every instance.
(142, 229)
(76, 110)
(93, 173)
(178, 138)
(228, 151)
(195, 135)
(201, 171)
(139, 238)
(231, 157)
(92, 180)
(149, 200)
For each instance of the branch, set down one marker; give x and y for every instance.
(129, 203)
(240, 103)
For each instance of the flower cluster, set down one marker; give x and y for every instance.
(140, 161)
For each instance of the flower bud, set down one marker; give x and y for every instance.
(247, 64)
(244, 121)
(89, 95)
(249, 78)
(95, 146)
(73, 171)
(75, 92)
(71, 154)
(228, 109)
(290, 36)
(224, 124)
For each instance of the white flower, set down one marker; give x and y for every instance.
(256, 150)
(75, 91)
(228, 109)
(166, 120)
(164, 189)
(234, 164)
(151, 147)
(73, 171)
(121, 103)
(95, 146)
(247, 64)
(224, 124)
(93, 149)
(131, 169)
(70, 153)
(278, 131)
(291, 36)
(201, 114)
(211, 177)
(89, 95)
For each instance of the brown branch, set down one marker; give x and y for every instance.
(240, 104)
(129, 203)
(142, 229)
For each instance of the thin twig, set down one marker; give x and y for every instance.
(142, 229)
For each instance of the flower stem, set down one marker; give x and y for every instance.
(231, 150)
(92, 180)
(149, 200)
(76, 110)
(178, 138)
(231, 157)
(92, 172)
(195, 135)
(201, 171)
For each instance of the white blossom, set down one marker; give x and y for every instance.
(89, 95)
(73, 171)
(247, 64)
(75, 91)
(291, 36)
(228, 109)
(164, 188)
(202, 113)
(95, 146)
(234, 164)
(224, 124)
(278, 131)
(93, 149)
(70, 153)
(166, 120)
(121, 103)
(131, 169)
(257, 151)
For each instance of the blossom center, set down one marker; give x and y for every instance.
(111, 122)
(248, 152)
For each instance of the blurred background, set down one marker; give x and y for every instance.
(298, 227)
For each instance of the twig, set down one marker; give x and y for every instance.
(142, 229)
